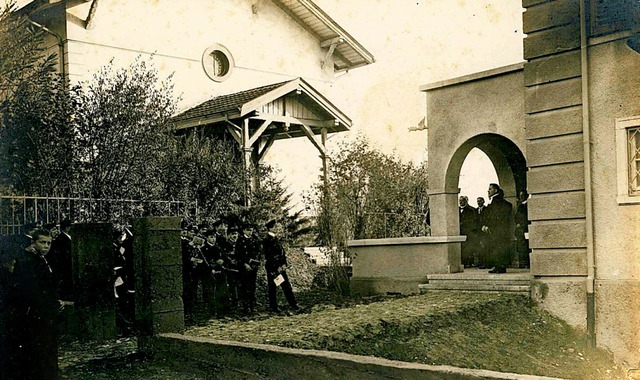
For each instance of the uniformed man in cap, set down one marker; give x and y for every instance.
(248, 255)
(276, 267)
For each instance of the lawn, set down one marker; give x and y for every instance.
(501, 332)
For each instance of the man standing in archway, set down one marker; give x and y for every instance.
(468, 227)
(497, 226)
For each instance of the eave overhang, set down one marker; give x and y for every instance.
(347, 52)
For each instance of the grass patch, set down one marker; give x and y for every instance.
(493, 331)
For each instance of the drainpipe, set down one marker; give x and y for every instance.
(586, 139)
(60, 46)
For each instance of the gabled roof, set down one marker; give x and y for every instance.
(348, 53)
(251, 103)
(224, 104)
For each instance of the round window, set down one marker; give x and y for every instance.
(217, 62)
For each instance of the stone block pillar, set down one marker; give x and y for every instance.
(158, 273)
(93, 257)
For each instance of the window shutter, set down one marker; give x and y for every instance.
(609, 16)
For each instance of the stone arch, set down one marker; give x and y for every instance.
(506, 157)
(508, 161)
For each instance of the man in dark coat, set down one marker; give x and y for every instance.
(481, 237)
(231, 267)
(60, 259)
(248, 255)
(32, 305)
(521, 219)
(497, 226)
(468, 227)
(276, 265)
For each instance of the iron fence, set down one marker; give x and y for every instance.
(16, 211)
(378, 225)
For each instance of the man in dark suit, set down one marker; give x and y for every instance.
(521, 219)
(498, 229)
(481, 249)
(32, 305)
(60, 259)
(248, 254)
(468, 227)
(276, 266)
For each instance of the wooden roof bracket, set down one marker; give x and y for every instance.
(310, 135)
(331, 44)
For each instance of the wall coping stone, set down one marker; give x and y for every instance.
(406, 240)
(337, 357)
(473, 77)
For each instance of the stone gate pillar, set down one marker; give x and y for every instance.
(158, 273)
(92, 258)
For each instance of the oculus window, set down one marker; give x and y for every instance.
(217, 62)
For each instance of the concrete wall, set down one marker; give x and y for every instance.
(92, 257)
(555, 157)
(484, 110)
(234, 360)
(614, 93)
(399, 265)
(266, 44)
(158, 276)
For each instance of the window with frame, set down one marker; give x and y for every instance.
(610, 16)
(628, 159)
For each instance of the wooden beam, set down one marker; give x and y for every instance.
(256, 135)
(331, 41)
(234, 132)
(268, 144)
(294, 120)
(309, 133)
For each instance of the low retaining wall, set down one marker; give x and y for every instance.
(234, 360)
(399, 265)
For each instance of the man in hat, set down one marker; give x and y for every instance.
(248, 256)
(232, 267)
(276, 265)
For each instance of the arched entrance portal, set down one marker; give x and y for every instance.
(509, 163)
(506, 157)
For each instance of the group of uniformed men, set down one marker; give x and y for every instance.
(222, 262)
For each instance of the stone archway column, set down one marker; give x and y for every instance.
(443, 206)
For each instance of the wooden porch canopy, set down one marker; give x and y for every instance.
(257, 117)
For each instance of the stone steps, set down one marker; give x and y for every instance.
(477, 280)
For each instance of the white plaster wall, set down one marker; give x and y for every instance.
(615, 93)
(267, 45)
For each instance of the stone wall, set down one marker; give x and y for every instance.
(92, 257)
(399, 265)
(158, 276)
(234, 360)
(555, 156)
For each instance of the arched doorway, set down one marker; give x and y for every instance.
(506, 157)
(510, 166)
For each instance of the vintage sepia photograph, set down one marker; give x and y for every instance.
(319, 189)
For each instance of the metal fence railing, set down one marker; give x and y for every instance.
(379, 225)
(17, 211)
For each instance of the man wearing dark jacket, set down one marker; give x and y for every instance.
(275, 265)
(468, 226)
(248, 256)
(497, 226)
(32, 305)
